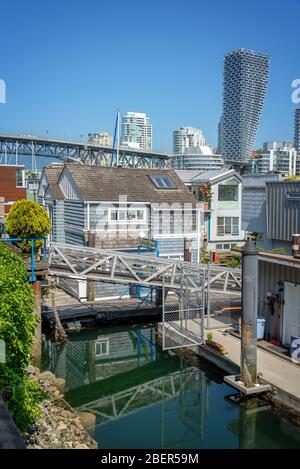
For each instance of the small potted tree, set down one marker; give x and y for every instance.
(206, 194)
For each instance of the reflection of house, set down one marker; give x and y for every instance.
(123, 351)
(222, 220)
(12, 184)
(82, 362)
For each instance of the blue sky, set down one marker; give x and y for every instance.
(68, 64)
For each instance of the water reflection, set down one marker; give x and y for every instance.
(87, 358)
(136, 395)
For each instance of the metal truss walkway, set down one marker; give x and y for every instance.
(129, 401)
(188, 285)
(85, 263)
(13, 146)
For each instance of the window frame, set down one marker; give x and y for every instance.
(127, 220)
(234, 226)
(101, 341)
(228, 186)
(20, 172)
(162, 177)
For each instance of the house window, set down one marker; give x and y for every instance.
(127, 215)
(163, 182)
(20, 178)
(102, 347)
(227, 193)
(228, 226)
(224, 247)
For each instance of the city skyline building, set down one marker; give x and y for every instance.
(136, 131)
(275, 145)
(282, 161)
(100, 138)
(246, 75)
(187, 137)
(201, 158)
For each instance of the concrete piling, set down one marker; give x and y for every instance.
(249, 314)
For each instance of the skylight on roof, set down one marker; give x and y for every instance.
(163, 182)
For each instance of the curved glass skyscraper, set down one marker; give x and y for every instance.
(246, 75)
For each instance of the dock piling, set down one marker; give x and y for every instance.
(249, 314)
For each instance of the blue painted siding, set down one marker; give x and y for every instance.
(74, 215)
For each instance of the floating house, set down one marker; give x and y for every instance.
(117, 207)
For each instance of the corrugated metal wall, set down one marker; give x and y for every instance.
(260, 180)
(254, 210)
(173, 247)
(58, 221)
(269, 276)
(74, 213)
(283, 215)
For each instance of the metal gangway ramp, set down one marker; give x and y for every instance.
(183, 286)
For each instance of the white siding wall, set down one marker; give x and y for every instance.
(219, 210)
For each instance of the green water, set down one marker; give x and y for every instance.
(139, 396)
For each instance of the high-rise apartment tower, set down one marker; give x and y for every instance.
(246, 75)
(136, 131)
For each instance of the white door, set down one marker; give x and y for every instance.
(291, 316)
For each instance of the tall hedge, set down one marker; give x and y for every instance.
(17, 327)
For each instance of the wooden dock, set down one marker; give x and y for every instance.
(73, 313)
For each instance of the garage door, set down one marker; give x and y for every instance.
(291, 316)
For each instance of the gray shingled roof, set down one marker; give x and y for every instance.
(56, 191)
(187, 175)
(53, 172)
(99, 183)
(216, 175)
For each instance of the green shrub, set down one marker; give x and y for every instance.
(27, 219)
(17, 327)
(233, 262)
